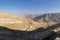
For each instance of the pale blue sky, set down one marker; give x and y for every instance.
(30, 6)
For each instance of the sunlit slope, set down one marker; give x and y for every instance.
(20, 21)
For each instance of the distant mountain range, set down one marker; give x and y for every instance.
(49, 17)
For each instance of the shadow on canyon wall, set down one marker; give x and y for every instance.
(38, 34)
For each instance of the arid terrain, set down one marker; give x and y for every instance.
(23, 22)
(29, 27)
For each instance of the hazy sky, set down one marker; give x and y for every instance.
(30, 6)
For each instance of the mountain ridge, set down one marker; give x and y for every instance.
(53, 17)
